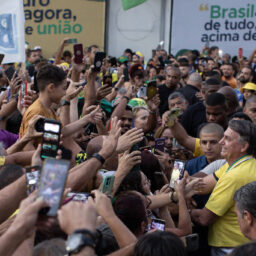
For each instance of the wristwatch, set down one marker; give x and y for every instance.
(79, 239)
(64, 103)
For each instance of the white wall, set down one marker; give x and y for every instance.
(137, 28)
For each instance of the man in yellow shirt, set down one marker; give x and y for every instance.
(239, 149)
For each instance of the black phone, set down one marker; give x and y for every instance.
(52, 184)
(98, 59)
(158, 224)
(159, 180)
(151, 89)
(51, 138)
(126, 74)
(32, 178)
(78, 53)
(159, 144)
(39, 125)
(135, 147)
(90, 128)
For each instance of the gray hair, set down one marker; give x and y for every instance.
(245, 198)
(175, 95)
(247, 133)
(195, 78)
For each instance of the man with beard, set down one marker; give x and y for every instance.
(228, 74)
(184, 69)
(245, 76)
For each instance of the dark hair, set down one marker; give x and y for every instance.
(213, 74)
(128, 51)
(247, 132)
(212, 128)
(215, 99)
(245, 198)
(176, 95)
(245, 249)
(131, 210)
(160, 77)
(212, 81)
(89, 49)
(132, 181)
(159, 243)
(241, 115)
(67, 54)
(9, 173)
(49, 74)
(183, 62)
(213, 48)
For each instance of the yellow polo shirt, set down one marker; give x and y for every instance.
(225, 232)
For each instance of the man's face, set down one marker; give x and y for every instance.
(227, 71)
(178, 103)
(126, 121)
(172, 78)
(242, 222)
(210, 146)
(33, 57)
(184, 71)
(207, 90)
(231, 145)
(250, 110)
(216, 114)
(245, 75)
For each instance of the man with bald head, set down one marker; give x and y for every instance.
(172, 80)
(193, 86)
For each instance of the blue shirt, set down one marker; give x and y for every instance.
(195, 165)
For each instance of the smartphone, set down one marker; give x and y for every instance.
(98, 59)
(32, 178)
(23, 91)
(175, 144)
(159, 144)
(78, 53)
(177, 172)
(151, 89)
(90, 128)
(72, 41)
(78, 197)
(52, 184)
(158, 224)
(51, 138)
(39, 125)
(107, 184)
(126, 74)
(240, 53)
(1, 58)
(174, 113)
(159, 180)
(142, 92)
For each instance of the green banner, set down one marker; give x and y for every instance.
(128, 4)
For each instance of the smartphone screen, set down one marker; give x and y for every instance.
(98, 59)
(240, 53)
(78, 53)
(52, 184)
(72, 41)
(142, 92)
(126, 74)
(159, 144)
(152, 89)
(78, 197)
(174, 113)
(177, 172)
(32, 178)
(51, 138)
(107, 184)
(158, 224)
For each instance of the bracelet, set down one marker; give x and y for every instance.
(125, 97)
(99, 158)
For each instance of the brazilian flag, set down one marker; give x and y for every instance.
(128, 4)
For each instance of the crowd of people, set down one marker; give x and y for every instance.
(162, 153)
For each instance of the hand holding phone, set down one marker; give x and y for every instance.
(107, 184)
(98, 59)
(78, 53)
(151, 89)
(52, 184)
(159, 144)
(158, 224)
(174, 113)
(177, 172)
(32, 178)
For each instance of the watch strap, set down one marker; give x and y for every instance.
(99, 157)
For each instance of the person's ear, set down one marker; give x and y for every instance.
(245, 147)
(248, 218)
(50, 87)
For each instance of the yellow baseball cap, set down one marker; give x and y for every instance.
(249, 86)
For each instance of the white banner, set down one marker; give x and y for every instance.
(228, 24)
(12, 41)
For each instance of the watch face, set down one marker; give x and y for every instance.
(73, 242)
